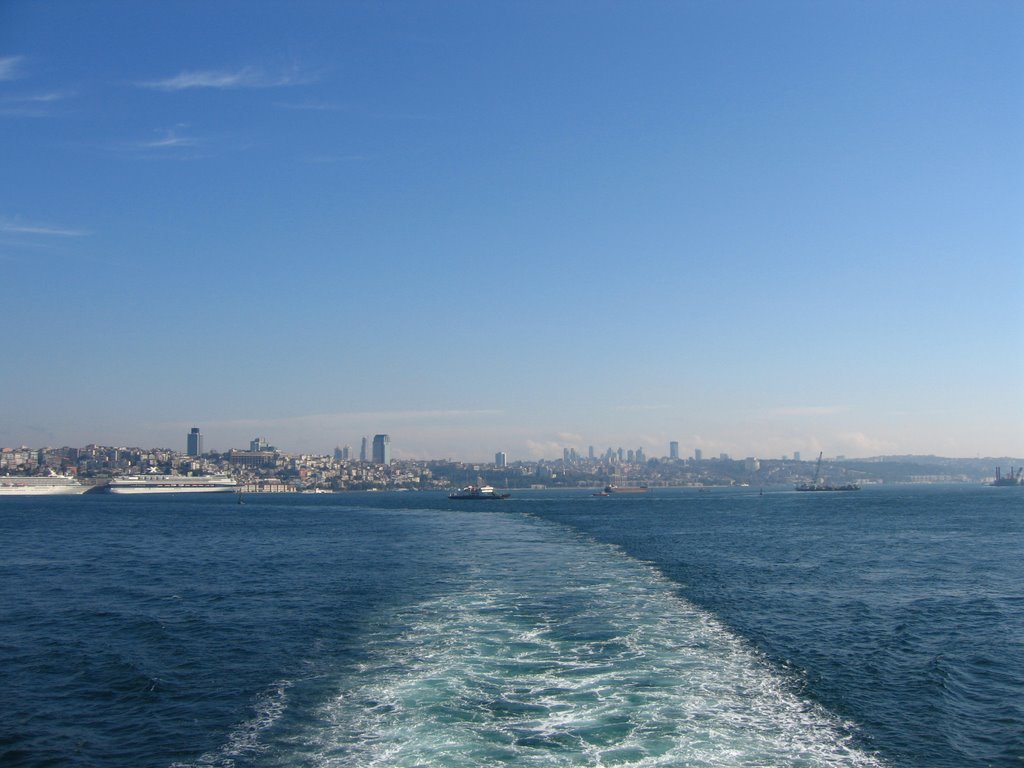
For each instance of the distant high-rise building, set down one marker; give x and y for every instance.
(796, 455)
(364, 455)
(590, 453)
(501, 459)
(673, 450)
(698, 454)
(381, 449)
(195, 442)
(346, 453)
(258, 444)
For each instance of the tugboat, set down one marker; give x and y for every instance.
(477, 492)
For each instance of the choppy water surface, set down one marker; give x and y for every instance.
(552, 629)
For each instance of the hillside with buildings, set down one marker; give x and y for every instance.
(262, 467)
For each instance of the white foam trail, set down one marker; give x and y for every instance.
(244, 741)
(592, 662)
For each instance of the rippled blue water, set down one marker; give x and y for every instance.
(724, 628)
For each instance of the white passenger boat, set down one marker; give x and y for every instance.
(172, 484)
(49, 485)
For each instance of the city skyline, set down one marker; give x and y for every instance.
(382, 453)
(749, 229)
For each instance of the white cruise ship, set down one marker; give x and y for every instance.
(52, 485)
(172, 484)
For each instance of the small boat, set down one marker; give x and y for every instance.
(477, 492)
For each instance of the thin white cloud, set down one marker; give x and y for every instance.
(246, 77)
(32, 105)
(640, 408)
(540, 449)
(309, 106)
(321, 420)
(807, 410)
(170, 139)
(10, 67)
(45, 98)
(14, 226)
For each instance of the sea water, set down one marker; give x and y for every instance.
(676, 628)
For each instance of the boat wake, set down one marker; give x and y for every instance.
(586, 658)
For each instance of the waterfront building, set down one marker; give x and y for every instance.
(195, 442)
(381, 449)
(262, 459)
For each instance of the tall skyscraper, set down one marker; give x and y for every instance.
(698, 454)
(258, 444)
(364, 455)
(673, 450)
(381, 449)
(195, 442)
(796, 455)
(501, 459)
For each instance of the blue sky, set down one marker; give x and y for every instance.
(754, 228)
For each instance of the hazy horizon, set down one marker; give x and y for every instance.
(752, 229)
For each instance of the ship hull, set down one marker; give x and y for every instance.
(149, 484)
(170, 489)
(42, 490)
